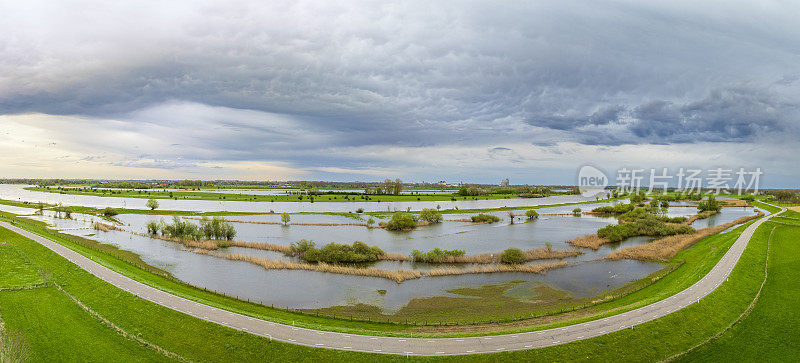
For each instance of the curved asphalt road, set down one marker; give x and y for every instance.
(413, 346)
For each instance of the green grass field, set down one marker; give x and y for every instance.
(769, 331)
(57, 329)
(16, 271)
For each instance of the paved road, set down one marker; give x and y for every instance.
(413, 346)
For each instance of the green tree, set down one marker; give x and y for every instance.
(531, 214)
(286, 218)
(152, 204)
(398, 186)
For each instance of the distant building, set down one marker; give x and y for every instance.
(504, 183)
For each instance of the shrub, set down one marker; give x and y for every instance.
(402, 221)
(435, 255)
(286, 218)
(300, 247)
(576, 212)
(360, 210)
(614, 209)
(647, 225)
(337, 253)
(370, 221)
(710, 204)
(430, 215)
(217, 228)
(153, 228)
(110, 212)
(485, 218)
(531, 214)
(512, 255)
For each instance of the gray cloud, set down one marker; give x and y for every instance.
(247, 80)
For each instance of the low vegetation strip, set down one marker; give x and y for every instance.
(665, 248)
(398, 275)
(282, 223)
(701, 215)
(592, 241)
(541, 268)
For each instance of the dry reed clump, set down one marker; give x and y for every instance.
(665, 248)
(394, 257)
(262, 246)
(202, 244)
(541, 268)
(396, 275)
(592, 241)
(547, 253)
(488, 258)
(701, 215)
(460, 220)
(725, 203)
(104, 227)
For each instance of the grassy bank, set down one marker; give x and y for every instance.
(769, 331)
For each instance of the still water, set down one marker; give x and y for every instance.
(587, 275)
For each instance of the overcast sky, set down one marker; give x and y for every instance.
(430, 90)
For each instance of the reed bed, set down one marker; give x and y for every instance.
(205, 244)
(592, 241)
(541, 268)
(725, 203)
(293, 223)
(701, 215)
(262, 246)
(489, 258)
(398, 276)
(393, 256)
(665, 248)
(548, 253)
(460, 220)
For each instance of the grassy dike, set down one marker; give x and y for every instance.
(769, 331)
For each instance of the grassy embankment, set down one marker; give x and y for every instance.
(197, 340)
(768, 332)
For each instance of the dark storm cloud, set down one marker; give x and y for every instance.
(285, 81)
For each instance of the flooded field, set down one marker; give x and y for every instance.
(586, 275)
(18, 193)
